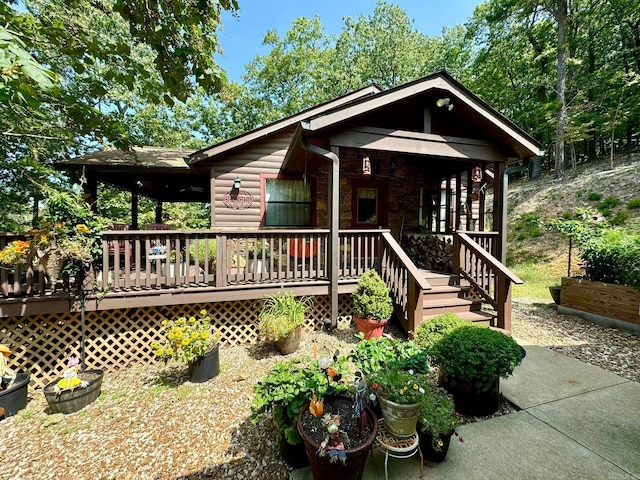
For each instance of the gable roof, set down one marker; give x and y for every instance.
(345, 109)
(260, 132)
(521, 142)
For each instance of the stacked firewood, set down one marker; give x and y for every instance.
(429, 251)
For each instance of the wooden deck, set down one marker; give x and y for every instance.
(173, 267)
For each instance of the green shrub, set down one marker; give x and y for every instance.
(433, 329)
(476, 355)
(633, 204)
(528, 225)
(619, 218)
(608, 203)
(371, 298)
(372, 355)
(613, 257)
(594, 197)
(606, 212)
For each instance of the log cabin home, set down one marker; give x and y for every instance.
(307, 203)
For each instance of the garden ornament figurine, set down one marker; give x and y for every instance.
(7, 376)
(334, 443)
(360, 402)
(70, 379)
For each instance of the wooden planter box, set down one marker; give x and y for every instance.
(605, 299)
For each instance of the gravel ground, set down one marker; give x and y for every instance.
(151, 423)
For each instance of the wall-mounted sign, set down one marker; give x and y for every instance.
(238, 199)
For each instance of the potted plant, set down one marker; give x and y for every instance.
(400, 394)
(205, 250)
(431, 330)
(338, 441)
(372, 305)
(281, 319)
(75, 390)
(191, 341)
(13, 386)
(175, 258)
(282, 393)
(437, 423)
(256, 252)
(471, 361)
(338, 431)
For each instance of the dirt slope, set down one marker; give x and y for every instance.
(546, 198)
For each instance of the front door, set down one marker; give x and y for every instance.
(368, 204)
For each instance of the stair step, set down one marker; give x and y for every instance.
(439, 278)
(446, 291)
(455, 305)
(475, 317)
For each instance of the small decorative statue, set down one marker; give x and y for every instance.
(360, 402)
(334, 443)
(70, 379)
(7, 376)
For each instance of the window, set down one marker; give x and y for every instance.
(287, 203)
(367, 207)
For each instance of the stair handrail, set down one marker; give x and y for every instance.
(406, 282)
(465, 247)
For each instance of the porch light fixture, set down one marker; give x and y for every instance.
(366, 167)
(445, 102)
(476, 174)
(237, 183)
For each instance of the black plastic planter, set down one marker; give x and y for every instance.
(15, 398)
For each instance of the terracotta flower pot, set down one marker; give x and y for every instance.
(289, 343)
(370, 328)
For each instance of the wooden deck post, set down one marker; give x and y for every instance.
(503, 300)
(500, 210)
(222, 262)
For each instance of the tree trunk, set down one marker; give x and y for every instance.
(560, 15)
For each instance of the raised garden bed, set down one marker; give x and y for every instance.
(607, 300)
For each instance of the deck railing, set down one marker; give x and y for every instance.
(143, 260)
(486, 274)
(406, 282)
(22, 279)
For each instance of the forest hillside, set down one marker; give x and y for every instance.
(537, 252)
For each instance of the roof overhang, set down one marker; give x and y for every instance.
(162, 174)
(261, 132)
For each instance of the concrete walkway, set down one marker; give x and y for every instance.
(576, 421)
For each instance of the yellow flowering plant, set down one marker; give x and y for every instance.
(186, 339)
(15, 253)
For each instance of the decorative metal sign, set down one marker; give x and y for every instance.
(238, 199)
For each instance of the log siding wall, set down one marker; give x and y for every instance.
(263, 158)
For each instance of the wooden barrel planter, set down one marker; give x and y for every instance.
(14, 398)
(70, 401)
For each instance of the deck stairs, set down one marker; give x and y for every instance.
(449, 294)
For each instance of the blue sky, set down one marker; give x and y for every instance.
(241, 37)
